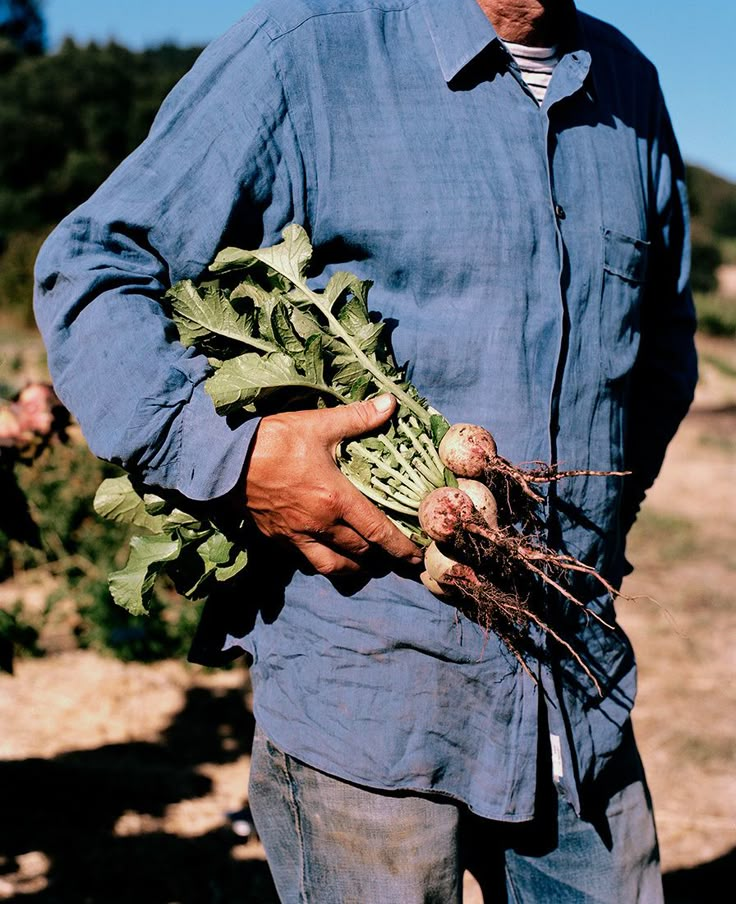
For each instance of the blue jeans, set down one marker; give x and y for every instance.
(332, 842)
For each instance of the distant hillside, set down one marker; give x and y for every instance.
(712, 203)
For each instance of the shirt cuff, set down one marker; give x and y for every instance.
(212, 453)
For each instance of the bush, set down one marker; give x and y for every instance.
(79, 550)
(705, 260)
(16, 274)
(716, 315)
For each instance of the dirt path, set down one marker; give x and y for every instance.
(115, 779)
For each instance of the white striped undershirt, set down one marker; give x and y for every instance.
(536, 64)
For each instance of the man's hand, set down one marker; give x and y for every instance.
(295, 491)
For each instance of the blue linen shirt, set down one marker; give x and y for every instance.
(535, 261)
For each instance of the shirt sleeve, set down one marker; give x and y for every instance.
(220, 166)
(665, 374)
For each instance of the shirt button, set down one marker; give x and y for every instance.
(559, 211)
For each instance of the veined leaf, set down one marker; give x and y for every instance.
(305, 324)
(289, 258)
(368, 336)
(439, 425)
(225, 572)
(265, 320)
(342, 282)
(249, 289)
(199, 317)
(353, 315)
(118, 500)
(155, 504)
(314, 364)
(285, 335)
(360, 388)
(215, 550)
(242, 380)
(177, 519)
(346, 370)
(131, 587)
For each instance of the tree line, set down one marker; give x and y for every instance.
(68, 118)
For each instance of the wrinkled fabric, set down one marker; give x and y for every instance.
(332, 841)
(534, 261)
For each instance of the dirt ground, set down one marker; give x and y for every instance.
(116, 779)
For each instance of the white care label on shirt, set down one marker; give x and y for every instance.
(557, 770)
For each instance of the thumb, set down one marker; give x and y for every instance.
(356, 418)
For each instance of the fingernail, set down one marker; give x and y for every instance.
(383, 403)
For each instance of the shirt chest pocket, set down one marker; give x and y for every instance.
(624, 273)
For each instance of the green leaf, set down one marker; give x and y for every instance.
(215, 550)
(200, 318)
(176, 519)
(225, 572)
(131, 587)
(358, 468)
(249, 377)
(368, 336)
(305, 324)
(438, 426)
(284, 334)
(117, 500)
(251, 290)
(353, 315)
(289, 258)
(342, 282)
(155, 505)
(360, 388)
(450, 479)
(265, 320)
(314, 364)
(347, 371)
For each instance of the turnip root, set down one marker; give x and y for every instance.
(434, 588)
(468, 450)
(482, 498)
(444, 513)
(443, 569)
(490, 562)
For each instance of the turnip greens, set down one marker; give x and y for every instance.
(275, 343)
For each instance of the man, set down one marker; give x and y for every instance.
(506, 174)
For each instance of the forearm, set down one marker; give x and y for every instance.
(204, 173)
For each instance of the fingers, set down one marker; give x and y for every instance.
(325, 560)
(375, 527)
(344, 540)
(355, 419)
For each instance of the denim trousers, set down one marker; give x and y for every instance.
(332, 842)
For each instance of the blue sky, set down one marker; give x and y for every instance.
(691, 44)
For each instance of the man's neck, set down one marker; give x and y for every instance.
(537, 23)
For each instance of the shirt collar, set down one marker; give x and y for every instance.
(461, 31)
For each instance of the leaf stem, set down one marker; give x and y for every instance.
(394, 494)
(402, 462)
(378, 497)
(381, 379)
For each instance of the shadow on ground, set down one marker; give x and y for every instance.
(705, 882)
(67, 808)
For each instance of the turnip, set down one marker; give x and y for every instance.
(468, 450)
(482, 498)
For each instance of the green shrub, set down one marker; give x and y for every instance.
(79, 550)
(716, 314)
